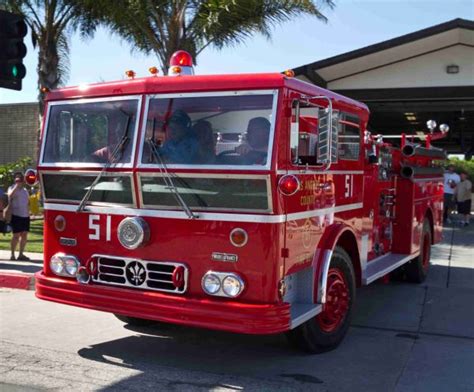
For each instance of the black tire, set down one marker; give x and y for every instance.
(134, 321)
(417, 269)
(315, 336)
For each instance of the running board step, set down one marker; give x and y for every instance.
(382, 265)
(301, 313)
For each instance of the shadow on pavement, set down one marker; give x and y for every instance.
(29, 269)
(389, 322)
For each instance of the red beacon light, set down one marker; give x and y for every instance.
(31, 177)
(289, 185)
(181, 63)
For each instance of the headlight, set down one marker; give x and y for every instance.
(222, 284)
(133, 232)
(232, 285)
(211, 284)
(64, 265)
(70, 266)
(57, 264)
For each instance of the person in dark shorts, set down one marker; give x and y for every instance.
(3, 206)
(463, 197)
(20, 221)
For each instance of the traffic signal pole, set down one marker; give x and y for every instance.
(12, 50)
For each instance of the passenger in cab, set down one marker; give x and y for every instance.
(256, 150)
(181, 145)
(206, 142)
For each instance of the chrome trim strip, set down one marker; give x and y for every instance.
(318, 308)
(91, 100)
(427, 179)
(274, 92)
(369, 279)
(323, 211)
(251, 218)
(320, 172)
(323, 277)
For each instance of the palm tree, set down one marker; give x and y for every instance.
(51, 23)
(162, 27)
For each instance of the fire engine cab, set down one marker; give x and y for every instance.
(251, 203)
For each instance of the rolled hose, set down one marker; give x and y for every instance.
(415, 150)
(417, 171)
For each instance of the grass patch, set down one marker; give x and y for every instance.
(35, 238)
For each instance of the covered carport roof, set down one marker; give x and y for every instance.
(428, 74)
(323, 72)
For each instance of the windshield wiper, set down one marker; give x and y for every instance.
(168, 179)
(114, 158)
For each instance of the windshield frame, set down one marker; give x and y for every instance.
(89, 173)
(267, 166)
(265, 177)
(128, 165)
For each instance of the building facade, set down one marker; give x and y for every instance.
(19, 124)
(405, 81)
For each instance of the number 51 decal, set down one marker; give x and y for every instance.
(94, 226)
(349, 185)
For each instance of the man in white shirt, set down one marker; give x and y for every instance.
(451, 179)
(20, 222)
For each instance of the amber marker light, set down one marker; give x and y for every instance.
(130, 74)
(153, 70)
(44, 90)
(176, 69)
(60, 223)
(238, 237)
(290, 73)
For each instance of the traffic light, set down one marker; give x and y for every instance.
(12, 50)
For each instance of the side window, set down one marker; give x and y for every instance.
(303, 134)
(349, 137)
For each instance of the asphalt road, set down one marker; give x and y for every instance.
(404, 338)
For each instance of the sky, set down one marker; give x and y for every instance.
(351, 25)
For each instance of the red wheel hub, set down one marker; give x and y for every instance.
(337, 301)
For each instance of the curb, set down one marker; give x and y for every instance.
(17, 281)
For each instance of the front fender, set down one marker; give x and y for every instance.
(323, 255)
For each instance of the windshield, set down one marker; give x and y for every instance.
(210, 130)
(89, 131)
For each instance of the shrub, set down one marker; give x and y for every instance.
(7, 170)
(462, 165)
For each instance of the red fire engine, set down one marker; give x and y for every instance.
(251, 203)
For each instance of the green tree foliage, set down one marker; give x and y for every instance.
(462, 165)
(163, 27)
(8, 170)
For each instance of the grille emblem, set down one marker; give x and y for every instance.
(136, 273)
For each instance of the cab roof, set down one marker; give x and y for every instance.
(197, 83)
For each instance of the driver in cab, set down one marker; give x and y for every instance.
(256, 149)
(181, 145)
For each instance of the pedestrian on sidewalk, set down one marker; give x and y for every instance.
(451, 179)
(463, 197)
(20, 221)
(3, 206)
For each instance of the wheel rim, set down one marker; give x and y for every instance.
(337, 301)
(425, 252)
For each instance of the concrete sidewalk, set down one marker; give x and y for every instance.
(19, 274)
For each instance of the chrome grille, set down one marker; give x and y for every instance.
(140, 274)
